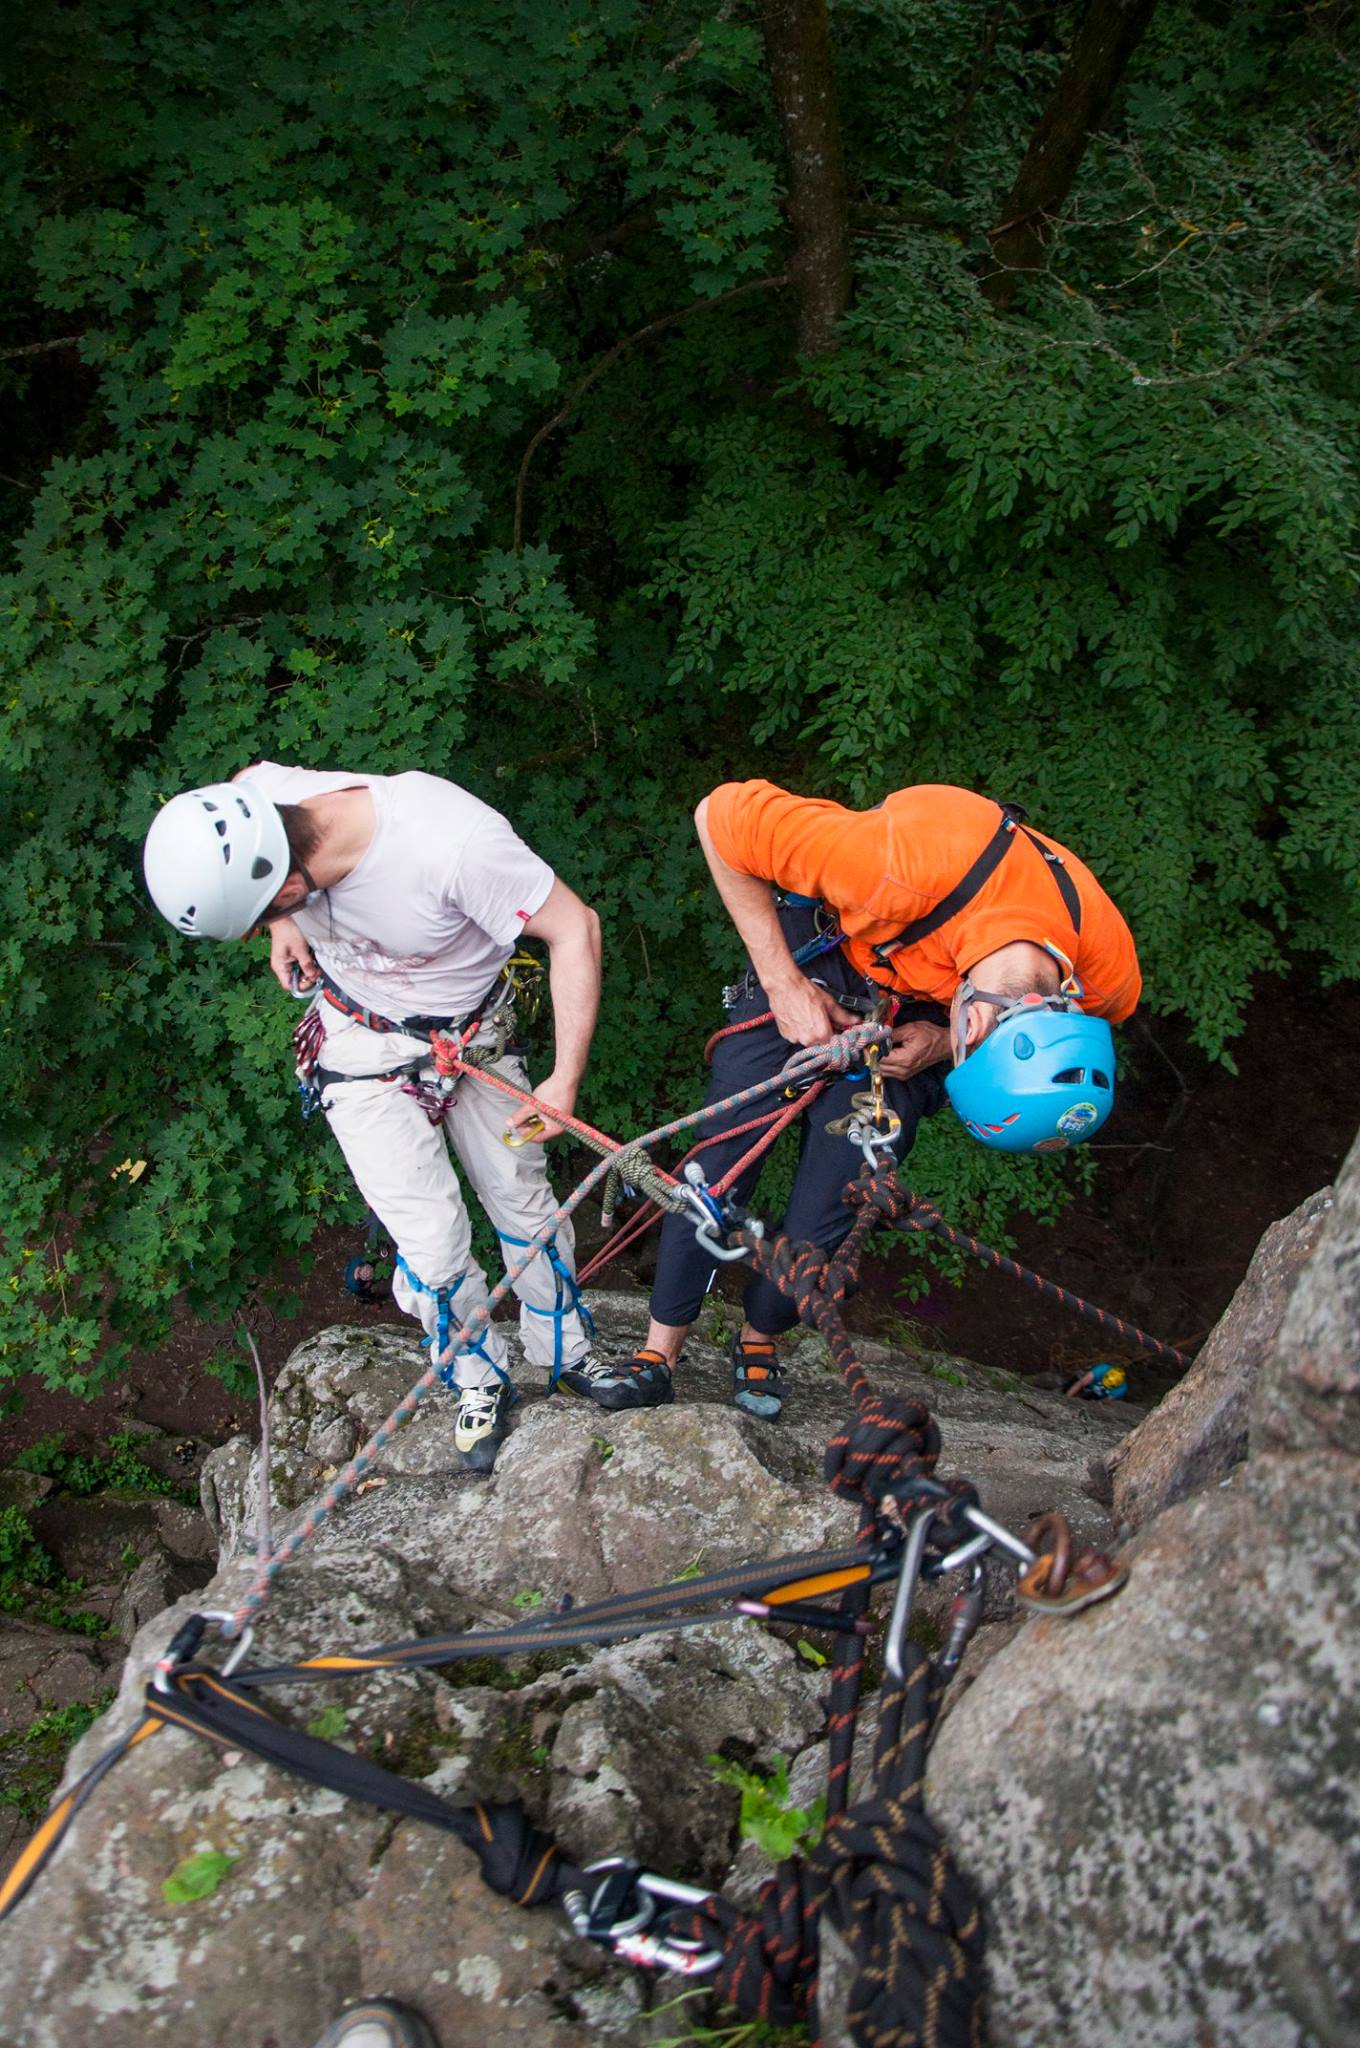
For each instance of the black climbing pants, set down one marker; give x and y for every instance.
(816, 1210)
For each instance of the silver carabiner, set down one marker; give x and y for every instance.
(161, 1670)
(628, 1938)
(1000, 1535)
(704, 1235)
(913, 1551)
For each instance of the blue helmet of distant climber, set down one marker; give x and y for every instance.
(1041, 1081)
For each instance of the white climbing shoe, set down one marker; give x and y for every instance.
(480, 1424)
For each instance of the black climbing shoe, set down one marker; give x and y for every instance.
(643, 1381)
(757, 1380)
(480, 1424)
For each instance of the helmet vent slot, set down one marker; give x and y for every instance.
(260, 867)
(1101, 1080)
(1072, 1076)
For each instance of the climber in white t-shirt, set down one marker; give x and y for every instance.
(399, 899)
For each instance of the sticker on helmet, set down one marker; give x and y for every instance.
(1050, 1145)
(1077, 1120)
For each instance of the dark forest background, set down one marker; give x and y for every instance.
(592, 402)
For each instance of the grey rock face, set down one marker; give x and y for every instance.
(1159, 1800)
(1198, 1432)
(157, 1583)
(1308, 1396)
(323, 1899)
(42, 1667)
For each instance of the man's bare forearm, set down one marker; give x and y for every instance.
(574, 984)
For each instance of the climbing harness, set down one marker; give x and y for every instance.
(438, 1343)
(828, 936)
(567, 1300)
(435, 1097)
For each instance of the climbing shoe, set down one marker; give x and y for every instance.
(757, 1379)
(643, 1381)
(480, 1424)
(377, 2023)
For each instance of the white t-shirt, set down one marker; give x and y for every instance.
(424, 923)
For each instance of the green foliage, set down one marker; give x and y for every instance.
(329, 1724)
(81, 1473)
(32, 1758)
(332, 269)
(31, 1584)
(767, 1818)
(196, 1877)
(730, 2034)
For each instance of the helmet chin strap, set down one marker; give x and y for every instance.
(314, 894)
(1009, 1006)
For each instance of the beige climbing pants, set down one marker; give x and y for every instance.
(402, 1165)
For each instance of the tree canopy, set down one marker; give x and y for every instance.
(402, 385)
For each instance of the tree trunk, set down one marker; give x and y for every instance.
(1109, 34)
(798, 48)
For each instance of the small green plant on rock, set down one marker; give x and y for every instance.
(767, 1818)
(119, 1468)
(197, 1877)
(734, 2034)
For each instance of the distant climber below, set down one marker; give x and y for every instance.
(1001, 959)
(399, 900)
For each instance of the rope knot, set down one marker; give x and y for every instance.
(882, 1192)
(770, 1954)
(919, 1214)
(841, 1055)
(812, 1278)
(890, 1442)
(910, 1922)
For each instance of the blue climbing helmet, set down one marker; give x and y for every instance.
(1043, 1078)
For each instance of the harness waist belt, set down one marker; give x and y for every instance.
(415, 1027)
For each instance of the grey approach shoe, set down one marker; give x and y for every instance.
(377, 2023)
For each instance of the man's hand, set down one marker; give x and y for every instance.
(558, 1095)
(288, 949)
(805, 1014)
(916, 1046)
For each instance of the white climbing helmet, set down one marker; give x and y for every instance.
(215, 858)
